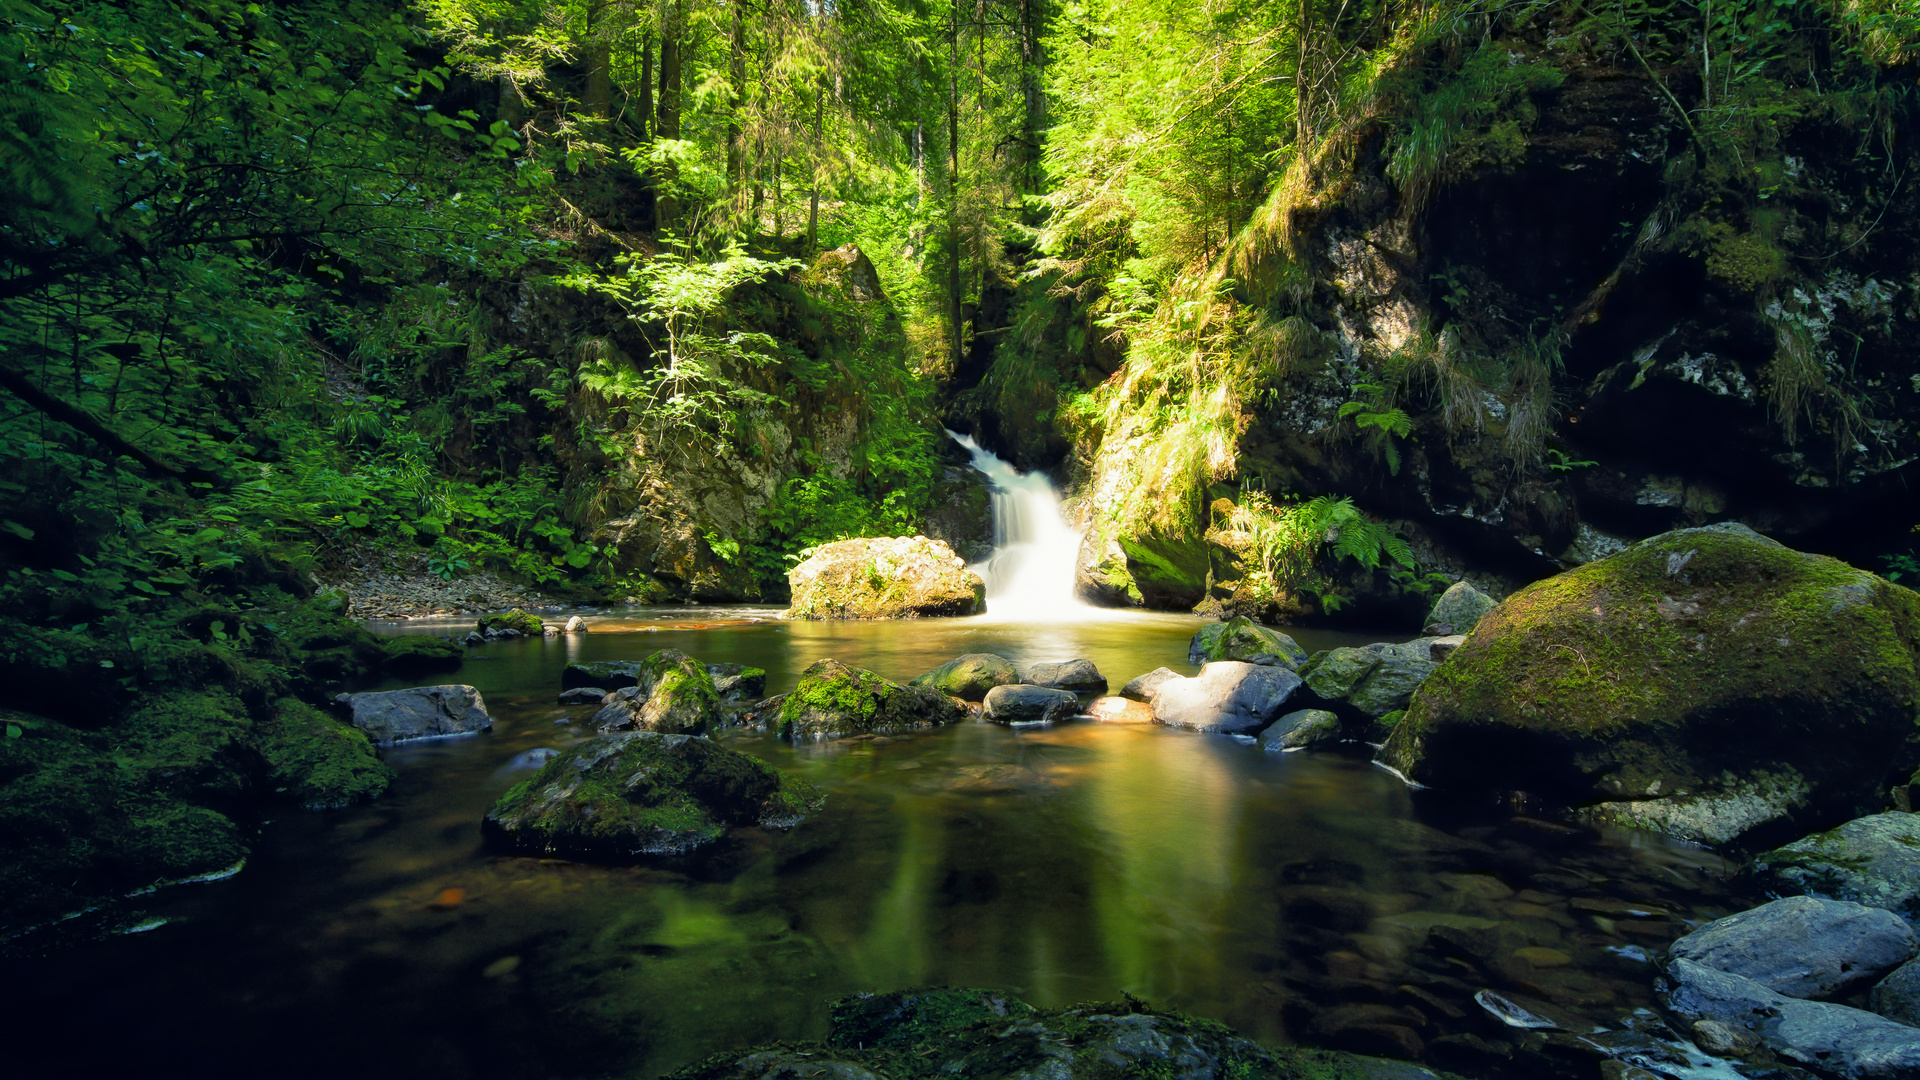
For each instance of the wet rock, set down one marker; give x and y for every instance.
(737, 682)
(515, 623)
(532, 759)
(1897, 997)
(643, 793)
(576, 625)
(1389, 686)
(1240, 638)
(1458, 610)
(474, 637)
(1119, 710)
(835, 699)
(1722, 1039)
(584, 695)
(1803, 947)
(1871, 860)
(1078, 676)
(1143, 687)
(1024, 704)
(884, 578)
(1651, 683)
(1227, 697)
(1852, 1044)
(1334, 674)
(969, 676)
(610, 674)
(1301, 729)
(420, 712)
(672, 694)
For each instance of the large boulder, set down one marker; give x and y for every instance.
(889, 577)
(643, 793)
(1849, 1043)
(1240, 638)
(419, 712)
(1334, 673)
(970, 676)
(1871, 860)
(1458, 610)
(1708, 683)
(835, 699)
(672, 694)
(1228, 697)
(1389, 685)
(1077, 676)
(1802, 946)
(1025, 704)
(1897, 997)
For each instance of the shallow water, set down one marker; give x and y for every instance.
(1298, 897)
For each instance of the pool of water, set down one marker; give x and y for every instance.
(1298, 897)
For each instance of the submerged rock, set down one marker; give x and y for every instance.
(1240, 638)
(835, 699)
(1709, 683)
(896, 577)
(1078, 676)
(1803, 947)
(643, 793)
(1872, 860)
(672, 694)
(969, 676)
(1025, 704)
(1227, 697)
(1458, 610)
(419, 712)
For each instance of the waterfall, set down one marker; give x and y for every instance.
(1030, 573)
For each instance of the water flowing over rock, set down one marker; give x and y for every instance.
(1227, 697)
(835, 699)
(1708, 683)
(970, 676)
(1871, 860)
(643, 793)
(1024, 704)
(898, 577)
(420, 712)
(1240, 638)
(1030, 574)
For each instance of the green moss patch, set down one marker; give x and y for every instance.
(835, 699)
(316, 760)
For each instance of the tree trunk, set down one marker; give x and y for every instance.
(813, 204)
(737, 78)
(646, 86)
(955, 324)
(599, 90)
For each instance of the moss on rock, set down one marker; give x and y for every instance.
(884, 578)
(515, 620)
(316, 760)
(1240, 638)
(417, 654)
(835, 699)
(1699, 667)
(969, 676)
(642, 793)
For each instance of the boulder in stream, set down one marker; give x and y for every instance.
(1076, 676)
(1802, 946)
(1707, 683)
(643, 793)
(1301, 729)
(1458, 610)
(737, 682)
(1024, 704)
(1228, 697)
(835, 699)
(1849, 1043)
(1240, 638)
(419, 712)
(888, 577)
(672, 694)
(969, 676)
(1872, 860)
(1143, 687)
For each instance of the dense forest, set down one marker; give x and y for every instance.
(1310, 308)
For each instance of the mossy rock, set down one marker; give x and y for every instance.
(317, 761)
(1240, 638)
(606, 674)
(884, 577)
(969, 676)
(672, 693)
(641, 793)
(835, 699)
(1709, 683)
(1871, 860)
(1168, 572)
(516, 620)
(1332, 674)
(417, 654)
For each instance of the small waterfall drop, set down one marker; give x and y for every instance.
(1029, 576)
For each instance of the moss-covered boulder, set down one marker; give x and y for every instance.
(642, 793)
(514, 623)
(317, 761)
(970, 676)
(835, 699)
(418, 654)
(1240, 638)
(1708, 683)
(672, 693)
(737, 683)
(888, 577)
(1458, 610)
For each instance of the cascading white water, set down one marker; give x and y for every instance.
(1030, 573)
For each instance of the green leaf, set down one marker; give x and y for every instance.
(17, 529)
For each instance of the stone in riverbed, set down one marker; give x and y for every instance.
(1227, 697)
(1333, 674)
(643, 793)
(737, 682)
(970, 676)
(1301, 729)
(576, 625)
(1023, 704)
(898, 577)
(1119, 710)
(1240, 638)
(672, 694)
(584, 695)
(1709, 683)
(835, 699)
(1897, 997)
(1852, 1044)
(1389, 686)
(1143, 687)
(1873, 860)
(419, 712)
(515, 623)
(1803, 947)
(1076, 676)
(1458, 610)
